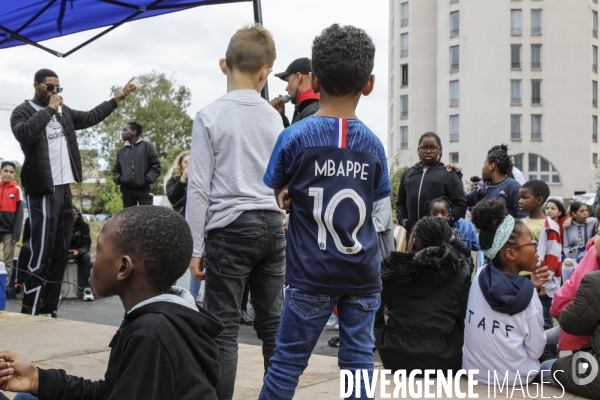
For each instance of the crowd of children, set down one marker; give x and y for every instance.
(445, 311)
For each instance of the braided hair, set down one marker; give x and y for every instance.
(434, 235)
(487, 216)
(502, 161)
(445, 201)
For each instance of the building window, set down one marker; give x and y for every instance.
(541, 169)
(595, 58)
(515, 92)
(515, 56)
(594, 94)
(454, 94)
(516, 22)
(392, 87)
(391, 122)
(404, 45)
(536, 127)
(595, 24)
(392, 29)
(404, 14)
(536, 92)
(404, 137)
(594, 129)
(404, 70)
(515, 127)
(595, 160)
(454, 59)
(518, 161)
(536, 22)
(454, 159)
(536, 56)
(404, 106)
(454, 23)
(453, 1)
(454, 127)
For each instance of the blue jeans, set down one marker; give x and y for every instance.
(303, 318)
(250, 249)
(547, 377)
(25, 396)
(195, 286)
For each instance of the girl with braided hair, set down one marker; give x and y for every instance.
(497, 183)
(442, 208)
(504, 325)
(425, 291)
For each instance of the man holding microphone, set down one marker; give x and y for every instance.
(45, 129)
(297, 75)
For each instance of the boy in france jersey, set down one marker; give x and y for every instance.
(331, 168)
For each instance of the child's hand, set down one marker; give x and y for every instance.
(540, 276)
(283, 200)
(17, 374)
(567, 223)
(452, 239)
(197, 268)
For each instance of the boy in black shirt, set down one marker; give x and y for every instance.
(164, 348)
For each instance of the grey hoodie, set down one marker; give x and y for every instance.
(571, 236)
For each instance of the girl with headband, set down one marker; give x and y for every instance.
(504, 324)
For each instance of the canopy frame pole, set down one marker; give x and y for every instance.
(256, 5)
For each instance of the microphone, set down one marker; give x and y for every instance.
(285, 98)
(59, 111)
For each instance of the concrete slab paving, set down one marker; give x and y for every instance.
(81, 348)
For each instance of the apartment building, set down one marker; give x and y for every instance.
(484, 72)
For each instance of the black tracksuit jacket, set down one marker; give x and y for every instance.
(137, 166)
(162, 351)
(29, 128)
(301, 111)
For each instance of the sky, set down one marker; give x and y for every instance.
(187, 46)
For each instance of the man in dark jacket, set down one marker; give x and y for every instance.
(299, 90)
(164, 348)
(79, 250)
(45, 129)
(136, 168)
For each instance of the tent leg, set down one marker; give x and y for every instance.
(258, 19)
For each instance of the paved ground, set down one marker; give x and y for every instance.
(110, 312)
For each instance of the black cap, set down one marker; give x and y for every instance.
(301, 65)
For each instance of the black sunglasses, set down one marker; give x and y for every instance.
(50, 87)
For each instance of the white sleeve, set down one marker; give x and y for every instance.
(200, 173)
(535, 338)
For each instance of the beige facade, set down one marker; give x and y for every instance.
(485, 72)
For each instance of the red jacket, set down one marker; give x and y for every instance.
(11, 209)
(565, 294)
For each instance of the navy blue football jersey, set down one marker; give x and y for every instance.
(336, 169)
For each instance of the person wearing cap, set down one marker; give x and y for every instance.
(299, 90)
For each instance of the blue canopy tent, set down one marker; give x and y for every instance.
(32, 21)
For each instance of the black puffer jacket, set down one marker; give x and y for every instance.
(301, 111)
(418, 187)
(582, 317)
(80, 238)
(426, 295)
(137, 166)
(29, 128)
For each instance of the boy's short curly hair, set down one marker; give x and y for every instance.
(343, 59)
(158, 236)
(250, 49)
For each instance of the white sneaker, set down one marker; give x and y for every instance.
(87, 294)
(333, 319)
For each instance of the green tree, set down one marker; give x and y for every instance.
(160, 106)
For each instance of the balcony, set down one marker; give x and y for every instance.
(594, 138)
(536, 136)
(404, 114)
(454, 137)
(404, 22)
(453, 1)
(516, 136)
(595, 103)
(404, 145)
(454, 67)
(454, 32)
(404, 53)
(515, 65)
(454, 102)
(595, 33)
(404, 83)
(515, 101)
(516, 31)
(536, 31)
(536, 101)
(595, 67)
(535, 65)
